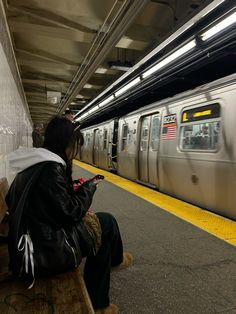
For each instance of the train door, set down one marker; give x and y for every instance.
(114, 141)
(149, 149)
(112, 150)
(96, 147)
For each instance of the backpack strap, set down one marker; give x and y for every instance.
(20, 241)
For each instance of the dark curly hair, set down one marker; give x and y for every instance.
(61, 134)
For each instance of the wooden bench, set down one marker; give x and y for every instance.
(64, 293)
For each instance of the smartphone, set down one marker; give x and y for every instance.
(99, 177)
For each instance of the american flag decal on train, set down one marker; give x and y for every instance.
(169, 127)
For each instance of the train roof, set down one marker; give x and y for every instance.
(222, 82)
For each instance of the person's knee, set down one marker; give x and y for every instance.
(108, 222)
(105, 217)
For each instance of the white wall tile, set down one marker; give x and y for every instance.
(15, 127)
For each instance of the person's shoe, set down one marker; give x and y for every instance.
(127, 261)
(111, 309)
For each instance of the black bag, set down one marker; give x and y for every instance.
(52, 253)
(56, 252)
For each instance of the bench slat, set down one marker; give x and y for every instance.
(64, 293)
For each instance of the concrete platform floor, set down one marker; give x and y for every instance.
(178, 268)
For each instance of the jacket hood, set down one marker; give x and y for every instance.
(24, 157)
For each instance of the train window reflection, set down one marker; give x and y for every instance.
(201, 136)
(155, 133)
(124, 136)
(144, 134)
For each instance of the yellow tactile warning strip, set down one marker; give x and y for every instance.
(220, 227)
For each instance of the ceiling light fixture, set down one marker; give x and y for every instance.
(106, 101)
(101, 70)
(170, 58)
(82, 116)
(209, 8)
(120, 65)
(88, 86)
(128, 86)
(93, 109)
(231, 19)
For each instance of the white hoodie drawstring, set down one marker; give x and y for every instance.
(25, 243)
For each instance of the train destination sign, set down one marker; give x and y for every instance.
(201, 113)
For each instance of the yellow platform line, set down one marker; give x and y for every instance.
(218, 226)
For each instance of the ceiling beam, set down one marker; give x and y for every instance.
(49, 17)
(42, 88)
(32, 101)
(45, 65)
(42, 110)
(54, 65)
(43, 76)
(44, 81)
(46, 56)
(38, 112)
(49, 31)
(37, 94)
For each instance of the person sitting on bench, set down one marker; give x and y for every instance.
(53, 204)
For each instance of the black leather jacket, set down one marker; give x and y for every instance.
(52, 203)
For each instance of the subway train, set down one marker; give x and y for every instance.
(183, 146)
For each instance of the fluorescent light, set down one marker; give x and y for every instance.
(82, 116)
(170, 58)
(159, 48)
(128, 86)
(219, 27)
(120, 65)
(101, 70)
(88, 86)
(106, 101)
(93, 109)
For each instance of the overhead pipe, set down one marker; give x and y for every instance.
(117, 28)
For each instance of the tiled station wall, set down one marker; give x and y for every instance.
(15, 124)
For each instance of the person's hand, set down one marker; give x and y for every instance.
(97, 179)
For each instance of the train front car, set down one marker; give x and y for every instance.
(185, 146)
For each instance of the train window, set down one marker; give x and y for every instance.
(105, 140)
(124, 136)
(200, 136)
(144, 134)
(155, 133)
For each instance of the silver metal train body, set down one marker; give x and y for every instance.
(184, 146)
